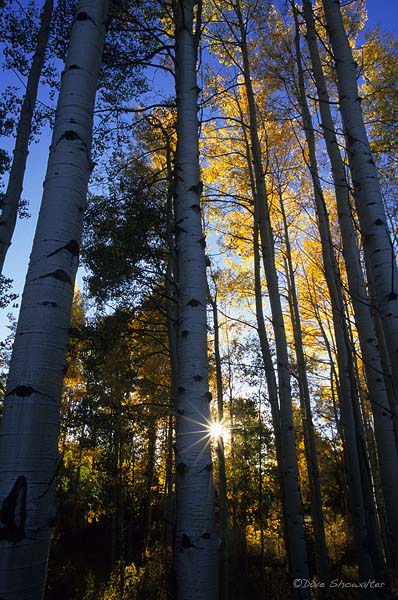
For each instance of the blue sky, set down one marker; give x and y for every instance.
(383, 12)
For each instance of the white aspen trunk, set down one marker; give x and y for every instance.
(295, 534)
(222, 477)
(171, 271)
(272, 385)
(346, 379)
(196, 546)
(378, 393)
(367, 193)
(269, 370)
(311, 455)
(9, 207)
(28, 445)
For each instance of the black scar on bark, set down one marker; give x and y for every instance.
(197, 188)
(181, 390)
(351, 139)
(72, 246)
(181, 468)
(23, 391)
(70, 135)
(179, 229)
(60, 275)
(198, 378)
(193, 302)
(48, 303)
(13, 512)
(83, 16)
(186, 542)
(392, 296)
(202, 242)
(207, 396)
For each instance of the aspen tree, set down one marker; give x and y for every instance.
(222, 479)
(361, 503)
(196, 554)
(346, 389)
(382, 405)
(11, 199)
(295, 537)
(321, 553)
(379, 253)
(28, 445)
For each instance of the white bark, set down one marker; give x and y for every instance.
(346, 386)
(311, 455)
(9, 207)
(293, 512)
(367, 193)
(383, 421)
(28, 444)
(196, 555)
(222, 478)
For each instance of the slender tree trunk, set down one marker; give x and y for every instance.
(296, 546)
(149, 477)
(171, 271)
(196, 557)
(392, 387)
(261, 498)
(30, 427)
(117, 555)
(222, 478)
(76, 485)
(368, 477)
(172, 318)
(269, 369)
(168, 519)
(377, 243)
(321, 553)
(346, 378)
(234, 544)
(378, 392)
(9, 207)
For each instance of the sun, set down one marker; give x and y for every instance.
(216, 430)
